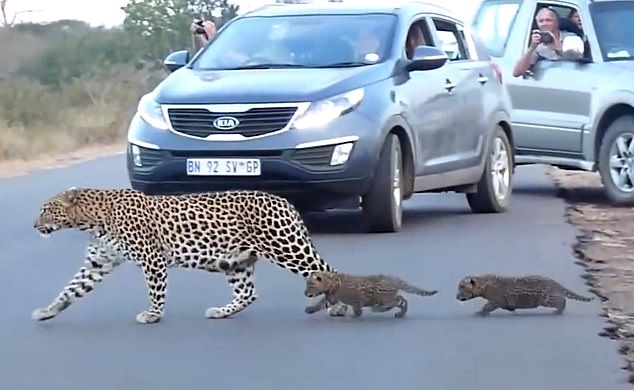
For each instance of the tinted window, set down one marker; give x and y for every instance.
(302, 40)
(492, 24)
(613, 26)
(450, 40)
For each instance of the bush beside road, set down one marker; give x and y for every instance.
(67, 85)
(62, 89)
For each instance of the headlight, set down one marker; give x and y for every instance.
(151, 112)
(323, 112)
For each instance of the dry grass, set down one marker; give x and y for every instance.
(606, 250)
(36, 121)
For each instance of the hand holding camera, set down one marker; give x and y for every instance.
(537, 37)
(203, 27)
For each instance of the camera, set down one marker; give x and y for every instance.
(201, 29)
(545, 36)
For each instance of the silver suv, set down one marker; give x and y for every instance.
(327, 104)
(575, 113)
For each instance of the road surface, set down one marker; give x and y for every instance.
(96, 344)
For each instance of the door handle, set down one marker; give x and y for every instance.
(449, 86)
(482, 79)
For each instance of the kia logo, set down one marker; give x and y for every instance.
(226, 123)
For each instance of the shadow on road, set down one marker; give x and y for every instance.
(352, 222)
(586, 194)
(576, 194)
(547, 191)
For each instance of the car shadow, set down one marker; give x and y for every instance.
(352, 221)
(580, 194)
(547, 191)
(577, 194)
(586, 194)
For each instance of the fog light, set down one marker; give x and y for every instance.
(341, 153)
(136, 155)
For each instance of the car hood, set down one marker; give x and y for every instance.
(621, 73)
(187, 86)
(623, 66)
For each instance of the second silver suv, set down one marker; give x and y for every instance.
(570, 113)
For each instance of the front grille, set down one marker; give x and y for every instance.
(314, 157)
(198, 122)
(227, 153)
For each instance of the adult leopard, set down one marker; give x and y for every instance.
(215, 232)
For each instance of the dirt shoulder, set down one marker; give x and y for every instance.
(12, 168)
(605, 249)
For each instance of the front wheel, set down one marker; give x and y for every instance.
(495, 186)
(616, 161)
(383, 204)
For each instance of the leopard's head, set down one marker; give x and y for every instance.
(469, 287)
(65, 210)
(319, 283)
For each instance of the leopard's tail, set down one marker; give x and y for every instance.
(410, 288)
(572, 295)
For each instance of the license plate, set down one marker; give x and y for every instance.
(223, 167)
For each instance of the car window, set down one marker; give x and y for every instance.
(492, 23)
(450, 40)
(475, 48)
(614, 29)
(566, 24)
(300, 41)
(417, 35)
(562, 12)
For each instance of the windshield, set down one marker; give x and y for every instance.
(613, 25)
(309, 41)
(492, 24)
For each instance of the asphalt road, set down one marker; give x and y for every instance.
(96, 344)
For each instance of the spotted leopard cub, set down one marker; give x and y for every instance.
(379, 292)
(515, 292)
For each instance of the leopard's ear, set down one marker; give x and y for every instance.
(70, 197)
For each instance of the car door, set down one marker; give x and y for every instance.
(552, 108)
(427, 103)
(464, 139)
(551, 103)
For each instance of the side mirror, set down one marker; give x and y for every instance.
(427, 58)
(572, 47)
(176, 60)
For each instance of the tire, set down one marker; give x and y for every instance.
(620, 194)
(383, 204)
(498, 169)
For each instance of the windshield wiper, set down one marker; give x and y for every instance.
(344, 64)
(267, 66)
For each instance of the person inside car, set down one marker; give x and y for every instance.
(205, 31)
(545, 43)
(367, 46)
(575, 18)
(415, 38)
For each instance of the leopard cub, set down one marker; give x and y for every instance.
(516, 292)
(379, 292)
